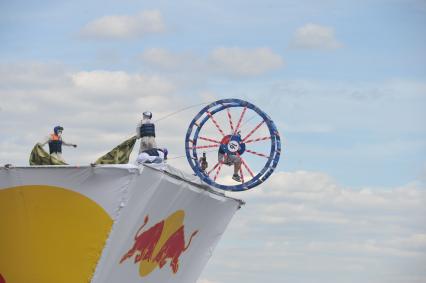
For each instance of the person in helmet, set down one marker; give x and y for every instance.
(145, 130)
(153, 155)
(203, 162)
(55, 142)
(228, 157)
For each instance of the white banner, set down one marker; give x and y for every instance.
(130, 224)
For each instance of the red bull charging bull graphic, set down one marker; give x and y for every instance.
(163, 242)
(2, 279)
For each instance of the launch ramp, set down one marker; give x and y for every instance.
(107, 224)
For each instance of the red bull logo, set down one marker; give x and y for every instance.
(163, 242)
(2, 279)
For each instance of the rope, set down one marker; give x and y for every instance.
(176, 112)
(181, 110)
(242, 125)
(248, 120)
(182, 156)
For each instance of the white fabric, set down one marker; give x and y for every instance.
(131, 194)
(105, 186)
(146, 158)
(157, 196)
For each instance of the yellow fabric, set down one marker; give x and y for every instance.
(40, 157)
(120, 154)
(50, 235)
(171, 225)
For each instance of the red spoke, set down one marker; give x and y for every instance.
(217, 164)
(257, 153)
(204, 146)
(248, 168)
(208, 139)
(217, 171)
(215, 123)
(245, 165)
(239, 121)
(258, 139)
(254, 130)
(230, 120)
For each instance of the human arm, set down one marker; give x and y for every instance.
(44, 141)
(68, 144)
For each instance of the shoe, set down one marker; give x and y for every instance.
(236, 178)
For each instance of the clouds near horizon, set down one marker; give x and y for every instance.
(232, 61)
(314, 36)
(124, 26)
(111, 91)
(367, 233)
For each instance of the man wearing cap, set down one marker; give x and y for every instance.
(55, 143)
(145, 130)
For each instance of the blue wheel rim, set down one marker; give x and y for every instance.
(195, 128)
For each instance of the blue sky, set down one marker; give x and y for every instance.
(345, 82)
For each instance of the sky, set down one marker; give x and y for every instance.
(344, 81)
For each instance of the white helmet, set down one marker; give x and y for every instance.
(147, 114)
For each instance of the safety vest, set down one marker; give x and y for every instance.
(147, 130)
(55, 144)
(223, 148)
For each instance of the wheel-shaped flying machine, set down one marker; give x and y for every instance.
(244, 151)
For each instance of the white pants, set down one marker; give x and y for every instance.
(147, 143)
(146, 158)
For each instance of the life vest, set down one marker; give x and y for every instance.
(223, 148)
(147, 130)
(55, 144)
(224, 144)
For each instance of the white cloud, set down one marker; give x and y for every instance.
(307, 225)
(32, 75)
(49, 93)
(318, 190)
(383, 107)
(98, 109)
(221, 61)
(124, 26)
(166, 60)
(312, 36)
(120, 83)
(245, 62)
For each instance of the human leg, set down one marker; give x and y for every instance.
(236, 161)
(147, 143)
